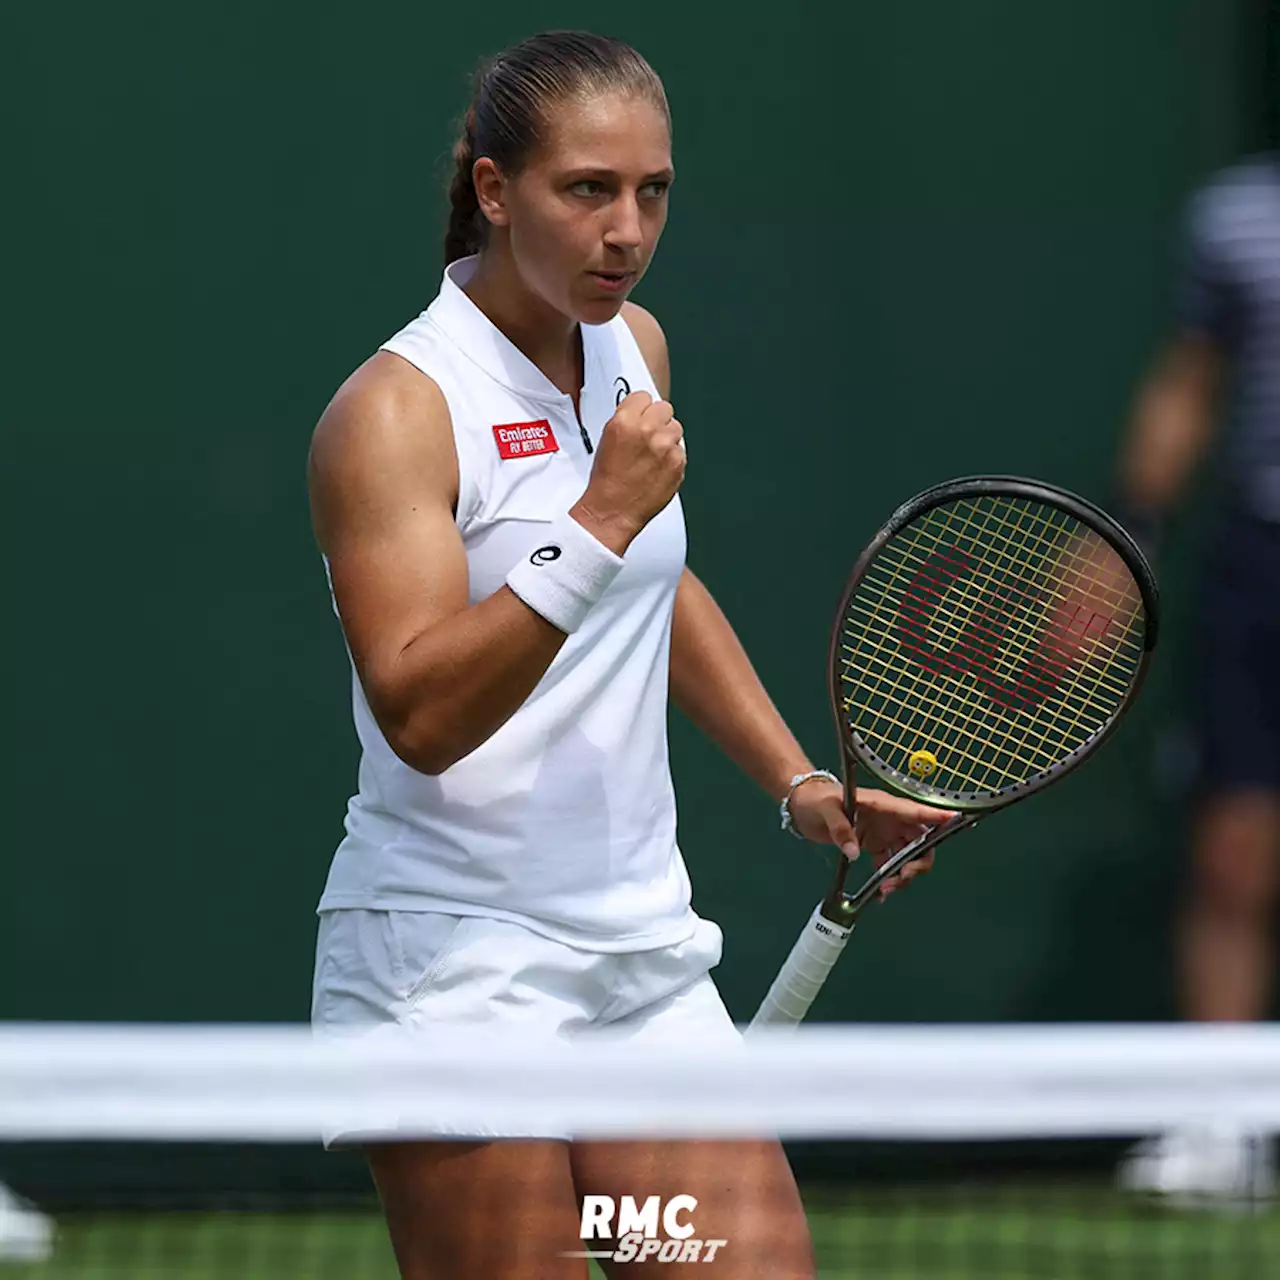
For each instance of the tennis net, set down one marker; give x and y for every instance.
(969, 1153)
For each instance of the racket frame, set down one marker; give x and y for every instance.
(842, 908)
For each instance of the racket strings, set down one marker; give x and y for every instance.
(1018, 638)
(1036, 752)
(1003, 758)
(997, 634)
(964, 726)
(961, 725)
(1039, 582)
(1021, 632)
(985, 573)
(958, 611)
(1018, 648)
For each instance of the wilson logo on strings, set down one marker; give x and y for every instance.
(976, 643)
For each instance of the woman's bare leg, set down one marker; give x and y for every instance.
(479, 1210)
(746, 1194)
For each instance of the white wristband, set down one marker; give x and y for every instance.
(564, 574)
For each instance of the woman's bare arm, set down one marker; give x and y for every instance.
(441, 675)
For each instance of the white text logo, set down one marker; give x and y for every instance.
(640, 1232)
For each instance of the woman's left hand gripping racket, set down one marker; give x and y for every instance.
(989, 640)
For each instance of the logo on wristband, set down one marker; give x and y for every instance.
(545, 555)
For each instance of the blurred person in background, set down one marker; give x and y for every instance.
(1218, 381)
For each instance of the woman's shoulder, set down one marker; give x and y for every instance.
(387, 408)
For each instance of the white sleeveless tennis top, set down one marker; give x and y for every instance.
(564, 820)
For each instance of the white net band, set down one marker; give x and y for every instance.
(282, 1085)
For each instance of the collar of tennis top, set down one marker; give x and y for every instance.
(485, 345)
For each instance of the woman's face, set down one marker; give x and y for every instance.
(584, 215)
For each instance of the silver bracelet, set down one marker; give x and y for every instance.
(784, 809)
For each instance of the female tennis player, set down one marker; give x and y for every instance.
(495, 495)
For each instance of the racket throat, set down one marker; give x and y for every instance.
(843, 908)
(838, 906)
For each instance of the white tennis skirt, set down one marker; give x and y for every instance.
(427, 973)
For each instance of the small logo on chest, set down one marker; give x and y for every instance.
(525, 439)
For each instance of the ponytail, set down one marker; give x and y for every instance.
(463, 235)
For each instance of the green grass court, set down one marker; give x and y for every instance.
(939, 1233)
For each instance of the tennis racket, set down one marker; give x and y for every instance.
(989, 640)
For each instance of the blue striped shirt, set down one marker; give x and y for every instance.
(1231, 294)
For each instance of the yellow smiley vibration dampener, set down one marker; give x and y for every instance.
(922, 763)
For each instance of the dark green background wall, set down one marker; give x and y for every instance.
(908, 241)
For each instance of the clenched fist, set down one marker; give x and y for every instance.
(638, 468)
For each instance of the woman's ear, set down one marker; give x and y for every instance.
(491, 191)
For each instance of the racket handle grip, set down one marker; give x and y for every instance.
(802, 975)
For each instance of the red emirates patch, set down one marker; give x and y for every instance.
(525, 439)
